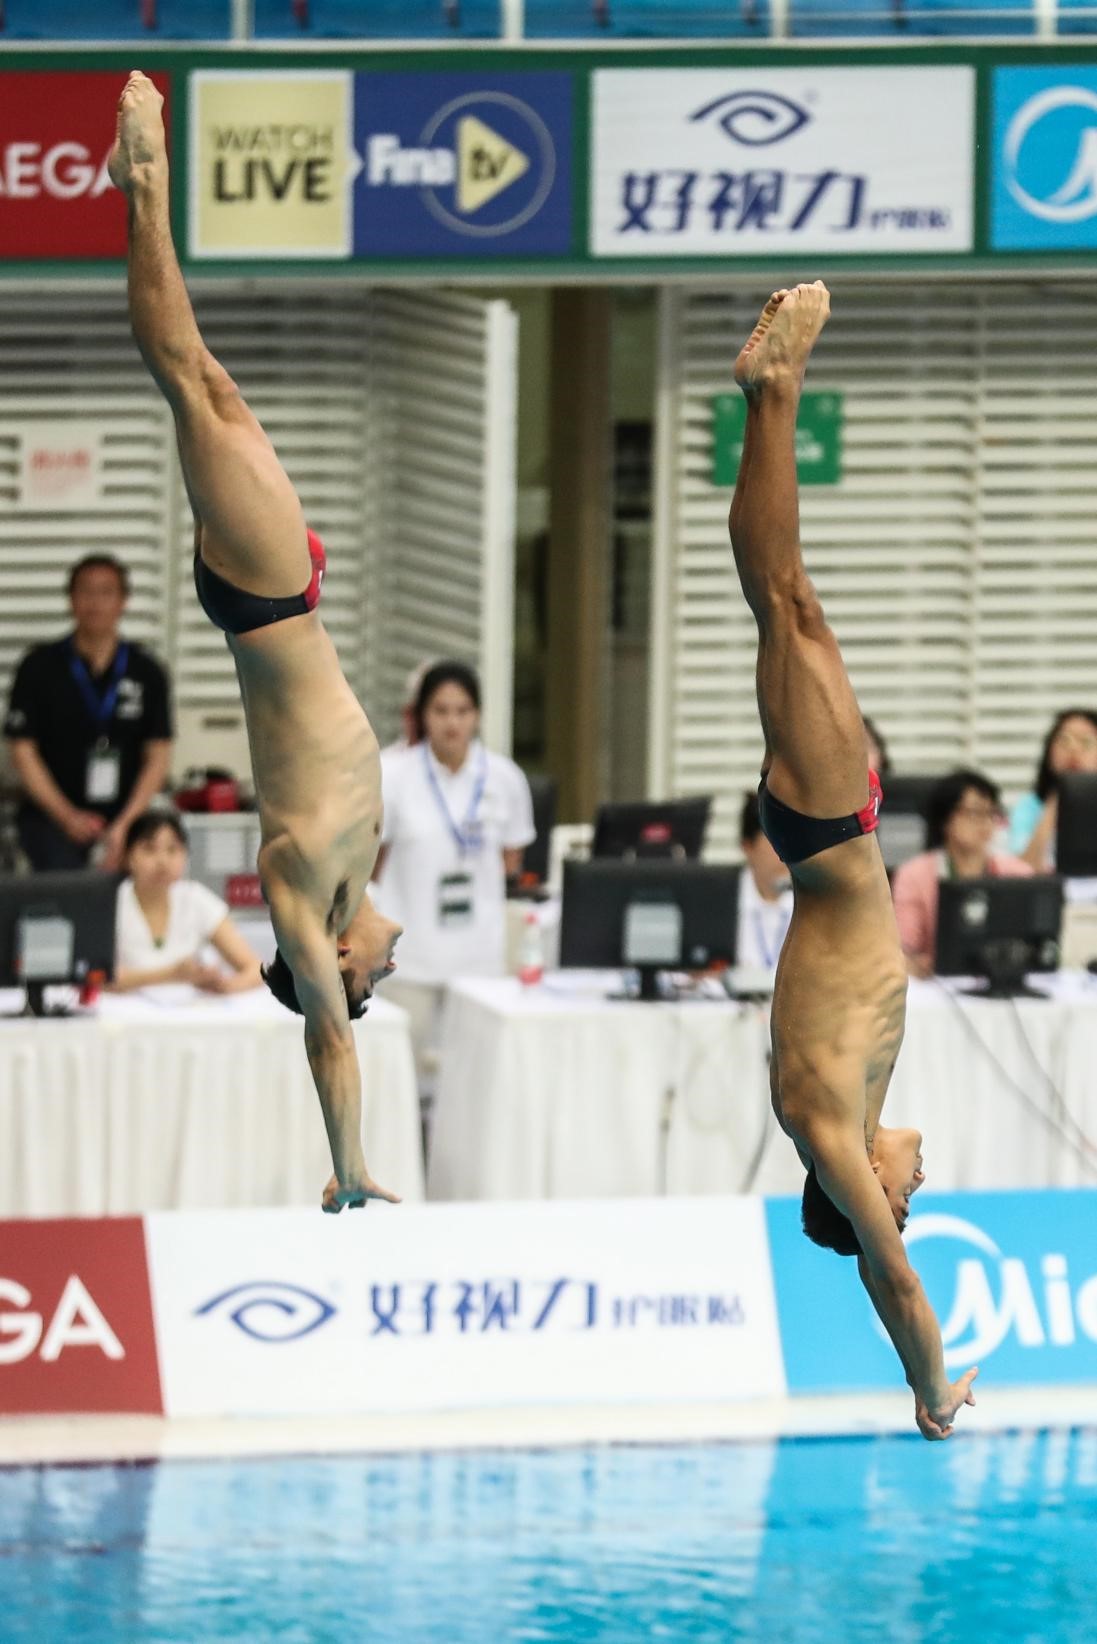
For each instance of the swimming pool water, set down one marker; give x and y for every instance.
(840, 1540)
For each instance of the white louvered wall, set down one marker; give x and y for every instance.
(67, 356)
(440, 474)
(1036, 577)
(394, 416)
(957, 559)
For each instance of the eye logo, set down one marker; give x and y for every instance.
(755, 118)
(267, 1310)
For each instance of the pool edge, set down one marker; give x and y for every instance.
(37, 1440)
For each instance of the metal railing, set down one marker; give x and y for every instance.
(285, 22)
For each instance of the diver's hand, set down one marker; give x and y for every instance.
(935, 1421)
(355, 1192)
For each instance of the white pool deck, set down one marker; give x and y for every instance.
(56, 1440)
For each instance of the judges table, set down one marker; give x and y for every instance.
(173, 1100)
(559, 1092)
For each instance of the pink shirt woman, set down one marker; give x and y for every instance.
(963, 813)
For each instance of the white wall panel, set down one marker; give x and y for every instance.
(394, 415)
(69, 356)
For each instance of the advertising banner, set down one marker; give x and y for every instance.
(1012, 1278)
(271, 163)
(591, 163)
(462, 164)
(1043, 190)
(753, 161)
(451, 1306)
(56, 131)
(76, 1330)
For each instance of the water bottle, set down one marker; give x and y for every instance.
(531, 954)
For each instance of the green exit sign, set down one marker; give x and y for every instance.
(818, 438)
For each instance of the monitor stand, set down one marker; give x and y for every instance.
(648, 993)
(1006, 964)
(1004, 989)
(34, 1004)
(649, 984)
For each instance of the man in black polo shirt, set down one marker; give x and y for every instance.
(88, 728)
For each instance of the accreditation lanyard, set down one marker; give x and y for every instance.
(468, 836)
(100, 708)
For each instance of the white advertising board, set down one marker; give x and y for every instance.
(434, 1307)
(749, 162)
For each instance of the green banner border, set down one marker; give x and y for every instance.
(182, 59)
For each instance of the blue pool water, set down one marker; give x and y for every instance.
(987, 1537)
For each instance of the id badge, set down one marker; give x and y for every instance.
(104, 776)
(455, 906)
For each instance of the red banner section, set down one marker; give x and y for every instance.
(56, 131)
(76, 1325)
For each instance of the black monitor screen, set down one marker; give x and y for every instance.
(648, 915)
(902, 826)
(56, 927)
(535, 861)
(665, 827)
(999, 928)
(1076, 828)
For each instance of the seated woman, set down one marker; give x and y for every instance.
(164, 920)
(1070, 745)
(963, 812)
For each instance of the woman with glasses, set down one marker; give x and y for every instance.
(1070, 748)
(963, 816)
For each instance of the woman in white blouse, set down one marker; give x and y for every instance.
(457, 819)
(164, 921)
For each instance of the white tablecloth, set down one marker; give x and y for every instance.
(182, 1101)
(551, 1092)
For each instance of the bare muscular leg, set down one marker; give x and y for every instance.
(815, 739)
(250, 525)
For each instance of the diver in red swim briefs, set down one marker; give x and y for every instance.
(839, 1001)
(258, 571)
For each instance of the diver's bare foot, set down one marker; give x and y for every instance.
(139, 138)
(778, 348)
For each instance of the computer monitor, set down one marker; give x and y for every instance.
(55, 928)
(1076, 829)
(535, 861)
(663, 827)
(999, 929)
(902, 826)
(648, 916)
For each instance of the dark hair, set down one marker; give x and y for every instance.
(449, 672)
(100, 562)
(824, 1223)
(945, 797)
(750, 819)
(1046, 779)
(279, 979)
(873, 730)
(148, 825)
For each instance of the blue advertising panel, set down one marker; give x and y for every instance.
(1044, 172)
(466, 165)
(1012, 1278)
